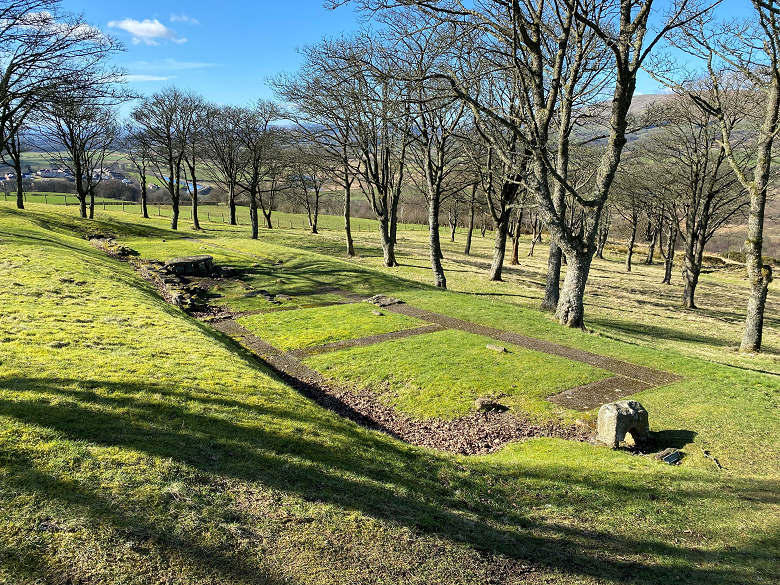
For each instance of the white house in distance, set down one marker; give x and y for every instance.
(53, 173)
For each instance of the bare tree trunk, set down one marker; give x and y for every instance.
(754, 323)
(144, 210)
(570, 311)
(194, 195)
(175, 209)
(253, 214)
(467, 249)
(19, 182)
(232, 204)
(394, 223)
(653, 243)
(499, 251)
(691, 270)
(760, 276)
(606, 220)
(630, 251)
(553, 285)
(515, 247)
(388, 245)
(82, 205)
(267, 216)
(669, 254)
(347, 222)
(439, 279)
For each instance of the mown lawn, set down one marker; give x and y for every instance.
(317, 326)
(138, 445)
(439, 375)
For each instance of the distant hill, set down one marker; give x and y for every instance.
(642, 101)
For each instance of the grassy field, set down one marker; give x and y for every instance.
(138, 445)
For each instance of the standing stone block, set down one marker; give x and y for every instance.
(621, 421)
(191, 265)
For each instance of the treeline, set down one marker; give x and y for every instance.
(519, 111)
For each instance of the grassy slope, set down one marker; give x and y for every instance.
(138, 446)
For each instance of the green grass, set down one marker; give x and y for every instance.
(140, 446)
(55, 198)
(439, 375)
(309, 327)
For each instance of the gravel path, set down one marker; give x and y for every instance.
(475, 433)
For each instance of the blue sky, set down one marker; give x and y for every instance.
(225, 50)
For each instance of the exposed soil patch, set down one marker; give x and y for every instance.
(474, 434)
(477, 433)
(600, 392)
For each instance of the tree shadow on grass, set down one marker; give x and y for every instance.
(223, 440)
(657, 332)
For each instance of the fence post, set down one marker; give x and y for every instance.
(45, 198)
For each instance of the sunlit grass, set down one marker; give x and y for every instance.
(439, 375)
(139, 446)
(308, 327)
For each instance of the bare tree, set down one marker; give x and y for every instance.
(746, 55)
(193, 120)
(527, 42)
(472, 203)
(630, 196)
(136, 147)
(46, 53)
(690, 159)
(381, 131)
(263, 171)
(79, 132)
(309, 167)
(223, 149)
(323, 96)
(166, 126)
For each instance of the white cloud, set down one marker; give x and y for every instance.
(146, 31)
(138, 78)
(183, 18)
(168, 65)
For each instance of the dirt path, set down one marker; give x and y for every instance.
(475, 433)
(629, 378)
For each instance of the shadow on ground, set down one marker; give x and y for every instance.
(375, 475)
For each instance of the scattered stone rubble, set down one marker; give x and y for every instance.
(111, 247)
(170, 278)
(383, 301)
(191, 266)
